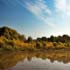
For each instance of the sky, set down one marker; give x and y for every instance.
(36, 18)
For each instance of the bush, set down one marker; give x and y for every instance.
(39, 45)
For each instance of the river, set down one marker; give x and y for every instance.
(48, 60)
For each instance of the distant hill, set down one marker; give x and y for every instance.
(10, 39)
(10, 33)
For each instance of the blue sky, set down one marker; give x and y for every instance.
(36, 18)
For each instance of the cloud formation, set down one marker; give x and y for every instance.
(63, 7)
(40, 9)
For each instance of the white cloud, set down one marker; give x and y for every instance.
(60, 5)
(40, 9)
(53, 19)
(63, 7)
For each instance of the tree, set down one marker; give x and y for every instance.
(38, 39)
(30, 39)
(64, 38)
(22, 37)
(44, 39)
(52, 38)
(39, 45)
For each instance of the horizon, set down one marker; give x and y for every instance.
(36, 18)
(32, 37)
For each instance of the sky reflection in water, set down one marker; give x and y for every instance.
(57, 60)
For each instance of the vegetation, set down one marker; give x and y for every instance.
(12, 40)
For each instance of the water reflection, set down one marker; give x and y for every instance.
(10, 59)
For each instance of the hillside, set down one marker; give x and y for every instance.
(10, 33)
(10, 39)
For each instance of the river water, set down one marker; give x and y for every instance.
(51, 60)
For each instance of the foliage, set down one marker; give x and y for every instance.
(29, 39)
(12, 40)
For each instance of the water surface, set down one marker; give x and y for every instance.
(50, 60)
